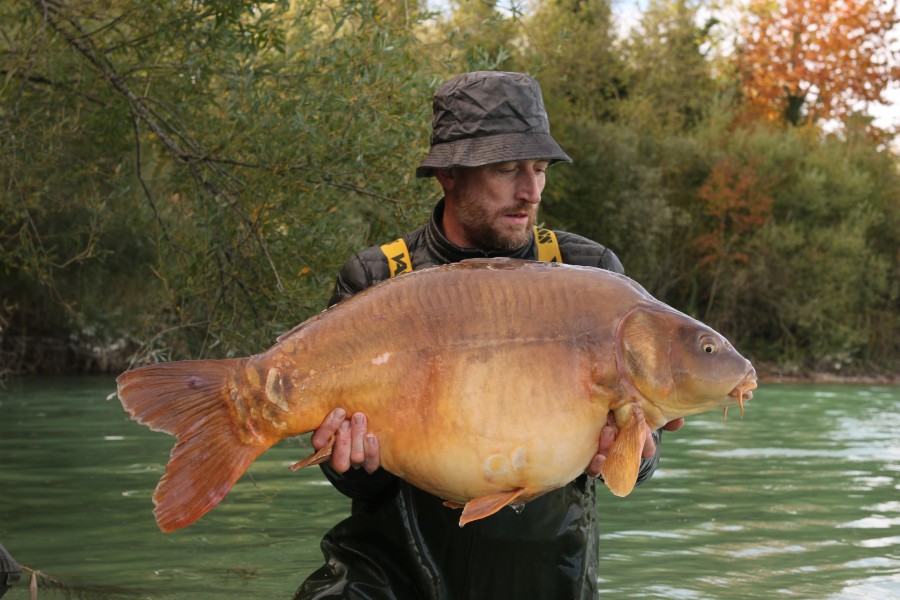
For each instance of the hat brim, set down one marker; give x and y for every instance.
(489, 150)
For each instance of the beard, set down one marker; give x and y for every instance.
(486, 228)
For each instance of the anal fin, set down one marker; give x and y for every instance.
(485, 506)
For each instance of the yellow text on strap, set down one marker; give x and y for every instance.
(397, 256)
(548, 247)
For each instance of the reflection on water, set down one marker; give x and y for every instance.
(797, 499)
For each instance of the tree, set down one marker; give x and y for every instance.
(478, 36)
(670, 73)
(571, 46)
(189, 175)
(810, 247)
(734, 201)
(809, 60)
(185, 178)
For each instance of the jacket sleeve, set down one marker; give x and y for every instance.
(578, 250)
(359, 272)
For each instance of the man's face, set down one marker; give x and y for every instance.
(494, 207)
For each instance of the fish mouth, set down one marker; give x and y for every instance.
(744, 390)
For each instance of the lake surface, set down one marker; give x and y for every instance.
(799, 499)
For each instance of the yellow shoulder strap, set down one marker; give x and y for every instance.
(397, 253)
(397, 256)
(548, 247)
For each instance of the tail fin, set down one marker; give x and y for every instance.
(191, 400)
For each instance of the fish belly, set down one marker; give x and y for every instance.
(465, 421)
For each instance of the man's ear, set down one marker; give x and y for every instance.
(448, 178)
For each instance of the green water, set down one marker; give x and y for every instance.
(799, 499)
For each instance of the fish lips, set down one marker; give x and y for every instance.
(744, 390)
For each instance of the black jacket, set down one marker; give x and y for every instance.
(401, 542)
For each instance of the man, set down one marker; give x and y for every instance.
(490, 150)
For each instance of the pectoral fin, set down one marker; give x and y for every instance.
(315, 459)
(620, 470)
(485, 506)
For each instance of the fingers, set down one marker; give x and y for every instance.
(358, 429)
(328, 428)
(340, 454)
(363, 445)
(373, 457)
(607, 437)
(353, 447)
(674, 425)
(593, 470)
(649, 444)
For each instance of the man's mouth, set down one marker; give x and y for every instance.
(517, 217)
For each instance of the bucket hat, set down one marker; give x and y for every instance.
(488, 117)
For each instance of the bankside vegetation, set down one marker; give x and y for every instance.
(183, 179)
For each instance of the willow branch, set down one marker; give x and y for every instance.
(187, 152)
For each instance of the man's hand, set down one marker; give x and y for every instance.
(353, 447)
(608, 437)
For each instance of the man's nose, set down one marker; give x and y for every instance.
(529, 186)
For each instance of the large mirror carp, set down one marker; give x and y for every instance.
(487, 383)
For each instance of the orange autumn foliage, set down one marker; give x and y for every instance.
(816, 59)
(734, 200)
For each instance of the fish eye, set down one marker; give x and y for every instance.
(709, 345)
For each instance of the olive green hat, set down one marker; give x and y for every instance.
(489, 117)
